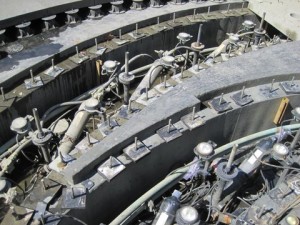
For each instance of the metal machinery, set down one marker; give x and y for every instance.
(187, 134)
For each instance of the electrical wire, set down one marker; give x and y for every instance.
(66, 216)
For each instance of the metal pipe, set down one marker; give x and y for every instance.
(160, 188)
(126, 62)
(199, 34)
(231, 158)
(148, 80)
(37, 121)
(262, 21)
(295, 140)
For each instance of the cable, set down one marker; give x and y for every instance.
(66, 216)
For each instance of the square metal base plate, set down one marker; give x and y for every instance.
(193, 123)
(120, 41)
(106, 129)
(219, 108)
(110, 168)
(268, 93)
(196, 19)
(163, 89)
(54, 72)
(37, 82)
(136, 153)
(136, 36)
(168, 136)
(74, 198)
(289, 87)
(241, 100)
(79, 59)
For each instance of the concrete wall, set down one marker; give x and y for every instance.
(78, 79)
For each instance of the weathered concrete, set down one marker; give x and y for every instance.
(61, 43)
(83, 77)
(283, 15)
(249, 69)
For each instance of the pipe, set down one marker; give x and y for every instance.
(148, 80)
(73, 133)
(135, 58)
(295, 140)
(157, 190)
(14, 155)
(173, 178)
(219, 49)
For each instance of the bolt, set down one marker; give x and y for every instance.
(52, 62)
(231, 158)
(208, 10)
(174, 17)
(261, 211)
(129, 106)
(193, 113)
(243, 92)
(111, 162)
(262, 21)
(194, 15)
(147, 97)
(292, 81)
(126, 63)
(181, 73)
(37, 121)
(165, 81)
(77, 51)
(199, 34)
(198, 65)
(108, 121)
(158, 20)
(3, 94)
(272, 86)
(32, 77)
(120, 34)
(186, 58)
(228, 7)
(229, 52)
(96, 43)
(135, 143)
(243, 5)
(88, 138)
(136, 28)
(169, 125)
(44, 185)
(221, 99)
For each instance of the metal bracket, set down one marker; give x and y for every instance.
(136, 151)
(195, 122)
(241, 99)
(80, 58)
(124, 114)
(137, 35)
(169, 133)
(119, 41)
(88, 184)
(110, 168)
(74, 198)
(107, 127)
(196, 19)
(268, 92)
(54, 71)
(220, 105)
(290, 87)
(36, 82)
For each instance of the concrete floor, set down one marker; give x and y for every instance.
(281, 14)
